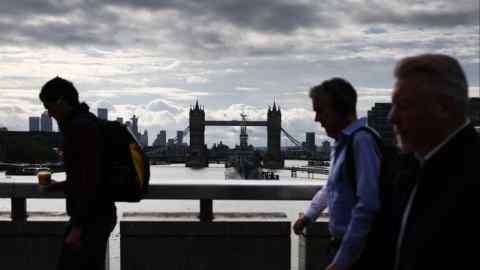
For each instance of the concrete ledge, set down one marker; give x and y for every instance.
(313, 246)
(30, 245)
(192, 190)
(6, 189)
(180, 241)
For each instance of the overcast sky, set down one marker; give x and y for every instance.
(154, 58)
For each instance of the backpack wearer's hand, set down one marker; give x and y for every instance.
(300, 225)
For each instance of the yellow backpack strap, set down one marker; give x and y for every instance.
(139, 162)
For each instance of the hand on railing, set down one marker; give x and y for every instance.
(300, 224)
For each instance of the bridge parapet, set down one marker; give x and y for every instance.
(231, 234)
(203, 190)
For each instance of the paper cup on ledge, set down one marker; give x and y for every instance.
(44, 177)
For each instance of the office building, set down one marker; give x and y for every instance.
(180, 136)
(102, 113)
(144, 138)
(474, 111)
(161, 138)
(46, 122)
(378, 120)
(326, 147)
(310, 140)
(34, 123)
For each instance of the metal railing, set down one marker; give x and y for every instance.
(204, 190)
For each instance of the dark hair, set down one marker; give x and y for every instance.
(443, 73)
(341, 93)
(58, 88)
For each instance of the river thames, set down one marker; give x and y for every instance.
(178, 172)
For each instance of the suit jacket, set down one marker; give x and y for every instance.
(440, 229)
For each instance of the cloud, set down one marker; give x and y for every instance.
(103, 104)
(168, 93)
(196, 80)
(474, 91)
(171, 66)
(12, 110)
(159, 105)
(440, 13)
(225, 29)
(233, 112)
(14, 113)
(263, 15)
(247, 89)
(375, 30)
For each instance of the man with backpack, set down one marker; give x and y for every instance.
(353, 203)
(92, 213)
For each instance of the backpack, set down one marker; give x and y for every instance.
(380, 236)
(126, 168)
(390, 157)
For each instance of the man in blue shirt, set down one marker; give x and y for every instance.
(352, 209)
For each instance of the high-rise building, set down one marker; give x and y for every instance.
(144, 138)
(161, 138)
(474, 111)
(326, 147)
(310, 140)
(378, 120)
(179, 136)
(46, 122)
(102, 113)
(34, 123)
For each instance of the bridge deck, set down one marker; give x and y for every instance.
(235, 123)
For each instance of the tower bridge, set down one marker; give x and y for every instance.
(198, 156)
(198, 150)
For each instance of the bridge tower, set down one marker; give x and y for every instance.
(273, 158)
(198, 151)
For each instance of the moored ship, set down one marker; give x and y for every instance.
(246, 163)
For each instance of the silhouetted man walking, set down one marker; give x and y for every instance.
(352, 203)
(92, 214)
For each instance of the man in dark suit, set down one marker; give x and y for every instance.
(434, 204)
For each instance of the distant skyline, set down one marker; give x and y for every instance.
(154, 59)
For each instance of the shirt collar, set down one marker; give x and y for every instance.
(437, 148)
(350, 129)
